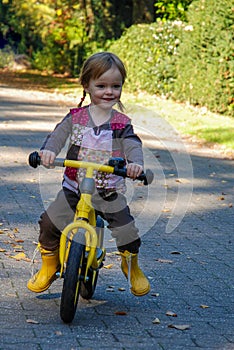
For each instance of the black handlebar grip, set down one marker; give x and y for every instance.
(34, 159)
(146, 177)
(149, 176)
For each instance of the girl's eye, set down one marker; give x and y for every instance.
(101, 86)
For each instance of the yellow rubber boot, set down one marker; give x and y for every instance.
(47, 274)
(138, 282)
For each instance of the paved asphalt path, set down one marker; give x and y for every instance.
(187, 248)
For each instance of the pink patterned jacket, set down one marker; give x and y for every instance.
(88, 142)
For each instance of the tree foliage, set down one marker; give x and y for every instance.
(172, 9)
(59, 34)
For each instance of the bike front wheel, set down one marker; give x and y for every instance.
(72, 282)
(87, 288)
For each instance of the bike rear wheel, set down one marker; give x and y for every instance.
(72, 282)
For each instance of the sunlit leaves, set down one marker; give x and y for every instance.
(10, 239)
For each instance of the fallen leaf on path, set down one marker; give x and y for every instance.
(164, 261)
(121, 289)
(182, 181)
(166, 210)
(181, 327)
(17, 246)
(204, 306)
(156, 321)
(121, 313)
(113, 253)
(108, 266)
(19, 256)
(31, 180)
(2, 250)
(32, 321)
(30, 260)
(11, 235)
(171, 313)
(58, 333)
(221, 198)
(16, 230)
(18, 250)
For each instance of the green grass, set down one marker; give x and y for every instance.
(207, 127)
(188, 120)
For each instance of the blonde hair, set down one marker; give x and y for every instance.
(98, 64)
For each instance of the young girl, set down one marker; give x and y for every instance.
(97, 132)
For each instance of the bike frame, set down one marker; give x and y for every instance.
(81, 250)
(84, 218)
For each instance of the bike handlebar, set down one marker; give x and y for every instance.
(115, 166)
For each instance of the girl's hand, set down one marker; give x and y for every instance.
(47, 158)
(134, 170)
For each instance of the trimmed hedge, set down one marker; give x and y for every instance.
(190, 61)
(205, 64)
(149, 50)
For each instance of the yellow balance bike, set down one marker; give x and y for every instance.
(81, 245)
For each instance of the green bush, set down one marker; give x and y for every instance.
(149, 54)
(205, 64)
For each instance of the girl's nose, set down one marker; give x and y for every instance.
(109, 90)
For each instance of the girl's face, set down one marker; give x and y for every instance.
(105, 91)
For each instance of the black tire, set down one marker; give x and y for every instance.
(87, 288)
(71, 284)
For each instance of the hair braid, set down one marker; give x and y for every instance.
(82, 99)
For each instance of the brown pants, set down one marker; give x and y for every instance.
(113, 209)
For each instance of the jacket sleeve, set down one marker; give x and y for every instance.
(132, 145)
(56, 140)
